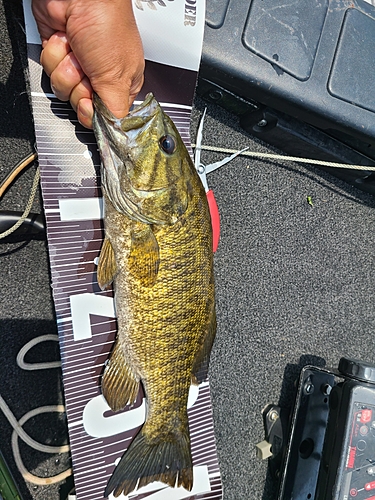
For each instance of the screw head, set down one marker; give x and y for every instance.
(262, 123)
(273, 415)
(215, 95)
(309, 388)
(326, 389)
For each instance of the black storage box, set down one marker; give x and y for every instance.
(300, 74)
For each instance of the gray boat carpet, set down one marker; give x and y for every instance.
(295, 285)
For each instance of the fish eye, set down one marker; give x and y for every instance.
(167, 144)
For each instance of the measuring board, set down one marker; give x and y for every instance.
(70, 180)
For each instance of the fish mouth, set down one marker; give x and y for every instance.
(121, 132)
(144, 111)
(150, 105)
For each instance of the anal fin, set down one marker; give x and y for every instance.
(120, 385)
(107, 265)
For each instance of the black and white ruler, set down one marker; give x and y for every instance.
(70, 179)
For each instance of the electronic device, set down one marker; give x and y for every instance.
(325, 448)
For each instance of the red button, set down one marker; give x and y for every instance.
(370, 486)
(366, 416)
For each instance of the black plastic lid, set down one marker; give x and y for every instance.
(357, 369)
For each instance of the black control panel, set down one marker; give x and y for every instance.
(348, 463)
(324, 448)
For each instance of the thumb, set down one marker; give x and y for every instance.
(117, 101)
(118, 104)
(120, 96)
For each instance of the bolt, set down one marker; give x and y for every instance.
(262, 123)
(326, 389)
(309, 388)
(215, 95)
(273, 415)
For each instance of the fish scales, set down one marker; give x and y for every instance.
(158, 252)
(174, 310)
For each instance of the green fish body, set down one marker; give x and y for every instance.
(158, 254)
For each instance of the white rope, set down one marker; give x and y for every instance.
(37, 366)
(40, 481)
(24, 436)
(269, 156)
(18, 431)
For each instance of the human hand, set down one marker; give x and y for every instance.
(91, 45)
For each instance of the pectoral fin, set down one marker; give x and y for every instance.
(119, 384)
(144, 255)
(200, 367)
(107, 265)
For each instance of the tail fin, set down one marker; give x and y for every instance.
(168, 461)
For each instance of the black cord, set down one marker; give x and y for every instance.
(33, 224)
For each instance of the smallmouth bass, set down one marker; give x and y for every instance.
(157, 252)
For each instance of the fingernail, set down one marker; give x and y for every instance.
(86, 110)
(61, 36)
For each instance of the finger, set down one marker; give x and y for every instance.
(81, 91)
(85, 112)
(81, 101)
(44, 28)
(54, 51)
(67, 75)
(50, 16)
